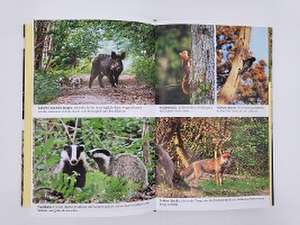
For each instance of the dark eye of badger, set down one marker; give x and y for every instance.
(80, 149)
(68, 149)
(74, 152)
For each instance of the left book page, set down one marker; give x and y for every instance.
(89, 151)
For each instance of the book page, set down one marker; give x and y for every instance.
(125, 117)
(214, 139)
(88, 151)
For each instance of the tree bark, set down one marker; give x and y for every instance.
(41, 29)
(228, 91)
(179, 146)
(47, 49)
(146, 143)
(203, 64)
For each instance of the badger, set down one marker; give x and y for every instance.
(63, 81)
(75, 82)
(73, 159)
(121, 165)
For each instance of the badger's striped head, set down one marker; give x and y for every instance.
(102, 157)
(72, 153)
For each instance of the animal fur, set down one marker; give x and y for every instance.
(121, 165)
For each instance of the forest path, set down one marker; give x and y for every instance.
(129, 91)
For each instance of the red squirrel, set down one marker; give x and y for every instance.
(186, 87)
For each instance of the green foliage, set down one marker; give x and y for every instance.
(64, 184)
(99, 188)
(119, 135)
(83, 67)
(234, 187)
(73, 40)
(137, 38)
(46, 87)
(145, 70)
(250, 144)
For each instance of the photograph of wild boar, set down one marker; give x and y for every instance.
(186, 64)
(93, 160)
(212, 157)
(244, 64)
(94, 62)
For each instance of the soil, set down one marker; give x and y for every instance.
(129, 91)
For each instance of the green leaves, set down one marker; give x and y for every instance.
(250, 141)
(145, 70)
(117, 134)
(46, 88)
(72, 41)
(99, 188)
(139, 37)
(64, 184)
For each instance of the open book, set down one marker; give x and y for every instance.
(125, 117)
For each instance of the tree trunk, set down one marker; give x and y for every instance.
(146, 144)
(179, 146)
(41, 29)
(203, 64)
(228, 91)
(47, 50)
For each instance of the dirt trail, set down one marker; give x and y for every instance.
(129, 91)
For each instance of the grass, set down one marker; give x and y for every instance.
(234, 187)
(104, 188)
(99, 188)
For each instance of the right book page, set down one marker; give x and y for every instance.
(216, 152)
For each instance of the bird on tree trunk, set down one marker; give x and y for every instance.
(247, 63)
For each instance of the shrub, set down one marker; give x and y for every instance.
(99, 188)
(145, 70)
(46, 87)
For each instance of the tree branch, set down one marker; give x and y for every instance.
(66, 130)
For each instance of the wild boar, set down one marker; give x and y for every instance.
(110, 66)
